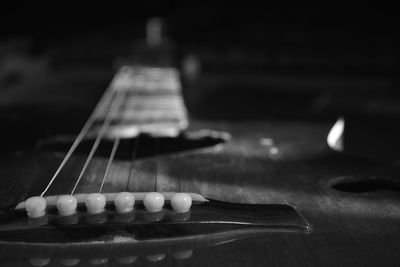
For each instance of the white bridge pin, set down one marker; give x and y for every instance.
(95, 203)
(153, 202)
(70, 262)
(36, 207)
(39, 261)
(124, 202)
(66, 205)
(181, 202)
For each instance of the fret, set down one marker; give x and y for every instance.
(145, 116)
(146, 79)
(176, 122)
(142, 104)
(153, 103)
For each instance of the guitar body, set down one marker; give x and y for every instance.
(349, 222)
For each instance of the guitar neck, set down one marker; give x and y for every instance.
(152, 104)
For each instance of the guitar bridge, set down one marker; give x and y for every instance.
(204, 220)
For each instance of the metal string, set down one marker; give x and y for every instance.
(135, 149)
(156, 165)
(179, 176)
(133, 159)
(179, 181)
(107, 95)
(110, 160)
(114, 107)
(113, 152)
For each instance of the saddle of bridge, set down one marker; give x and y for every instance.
(205, 221)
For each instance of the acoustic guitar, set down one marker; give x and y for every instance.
(143, 182)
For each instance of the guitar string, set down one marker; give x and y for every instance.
(133, 158)
(134, 153)
(179, 176)
(157, 148)
(84, 130)
(156, 164)
(115, 146)
(156, 152)
(107, 95)
(132, 161)
(110, 160)
(119, 97)
(156, 168)
(178, 145)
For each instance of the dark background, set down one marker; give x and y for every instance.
(256, 61)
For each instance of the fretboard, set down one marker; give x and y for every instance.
(152, 104)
